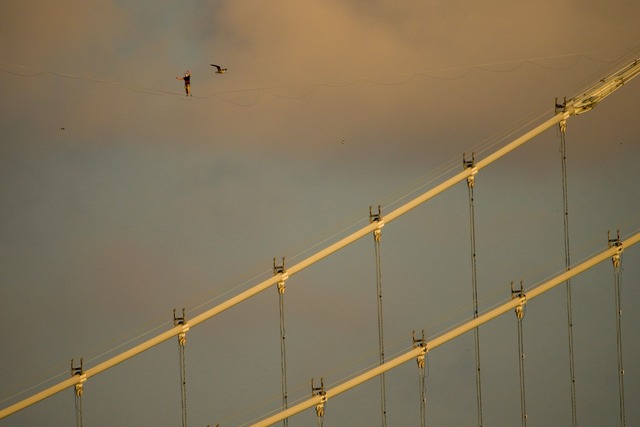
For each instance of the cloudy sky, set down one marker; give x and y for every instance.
(122, 199)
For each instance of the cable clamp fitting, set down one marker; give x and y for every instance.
(377, 218)
(181, 321)
(422, 343)
(319, 391)
(78, 371)
(280, 269)
(519, 293)
(617, 243)
(471, 166)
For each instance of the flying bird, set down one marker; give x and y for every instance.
(219, 69)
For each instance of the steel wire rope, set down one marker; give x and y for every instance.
(567, 255)
(182, 342)
(422, 385)
(183, 383)
(383, 392)
(421, 361)
(523, 396)
(78, 405)
(617, 275)
(283, 353)
(474, 289)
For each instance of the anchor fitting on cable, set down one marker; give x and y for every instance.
(519, 293)
(422, 343)
(377, 218)
(615, 243)
(471, 165)
(79, 372)
(279, 269)
(181, 321)
(319, 391)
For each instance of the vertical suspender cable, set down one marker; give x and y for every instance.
(567, 257)
(619, 342)
(283, 358)
(523, 399)
(78, 399)
(182, 341)
(520, 311)
(421, 361)
(183, 384)
(283, 348)
(617, 259)
(423, 392)
(78, 390)
(377, 234)
(474, 284)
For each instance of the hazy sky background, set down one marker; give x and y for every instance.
(121, 199)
